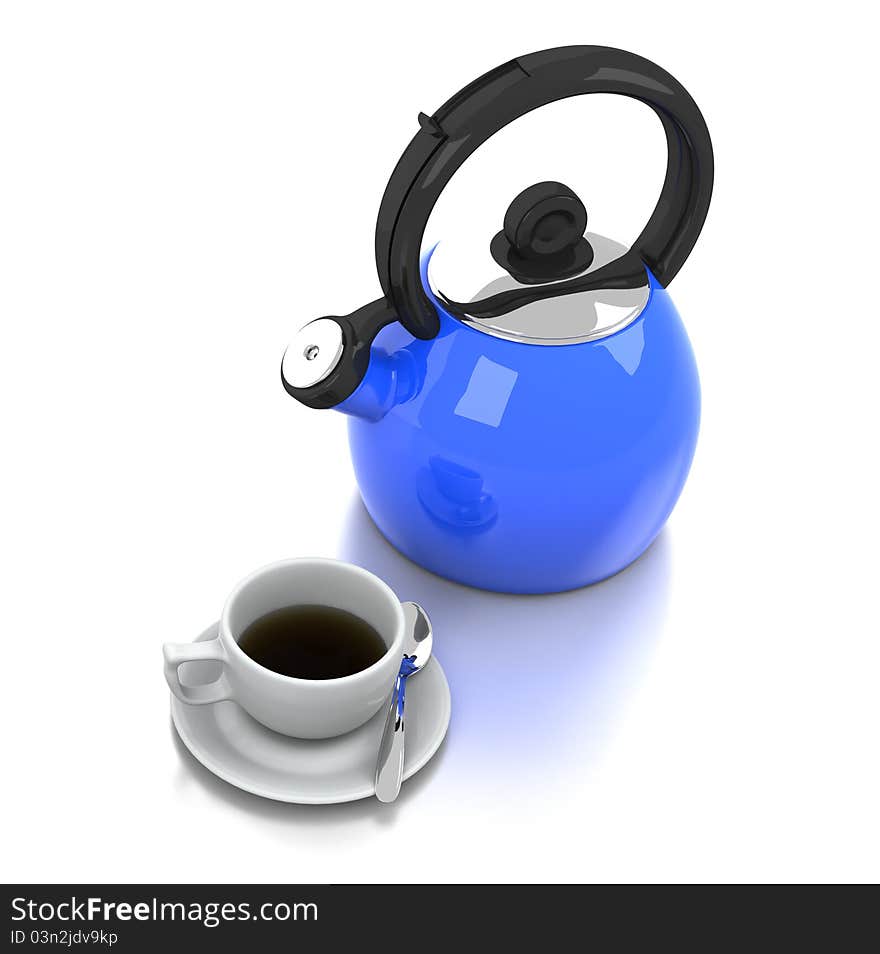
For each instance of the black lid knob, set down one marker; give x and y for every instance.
(543, 235)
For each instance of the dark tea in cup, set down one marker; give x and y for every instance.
(309, 641)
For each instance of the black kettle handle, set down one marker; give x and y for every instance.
(453, 133)
(478, 111)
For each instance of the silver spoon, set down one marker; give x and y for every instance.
(417, 651)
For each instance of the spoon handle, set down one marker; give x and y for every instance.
(389, 765)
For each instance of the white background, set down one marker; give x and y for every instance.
(184, 184)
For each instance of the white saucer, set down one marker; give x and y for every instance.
(228, 742)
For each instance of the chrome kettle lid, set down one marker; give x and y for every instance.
(541, 311)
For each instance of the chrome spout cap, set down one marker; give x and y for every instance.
(313, 354)
(328, 358)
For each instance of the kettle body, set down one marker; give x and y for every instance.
(521, 468)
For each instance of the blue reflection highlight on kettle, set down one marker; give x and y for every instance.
(487, 393)
(455, 496)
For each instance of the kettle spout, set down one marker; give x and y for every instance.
(333, 363)
(390, 380)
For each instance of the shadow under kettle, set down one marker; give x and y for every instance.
(536, 676)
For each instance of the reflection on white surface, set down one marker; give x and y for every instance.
(540, 679)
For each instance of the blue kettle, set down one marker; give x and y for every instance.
(533, 434)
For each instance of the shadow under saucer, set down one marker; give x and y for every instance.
(364, 809)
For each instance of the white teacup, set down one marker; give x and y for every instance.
(304, 708)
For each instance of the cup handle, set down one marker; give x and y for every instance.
(178, 653)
